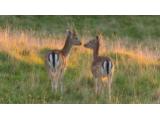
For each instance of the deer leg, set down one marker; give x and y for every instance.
(52, 81)
(109, 91)
(52, 85)
(100, 86)
(96, 86)
(61, 83)
(104, 88)
(62, 87)
(56, 85)
(109, 87)
(55, 82)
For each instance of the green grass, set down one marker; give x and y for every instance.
(29, 83)
(22, 82)
(132, 27)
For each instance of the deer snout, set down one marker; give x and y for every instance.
(86, 45)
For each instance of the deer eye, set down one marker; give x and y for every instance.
(76, 38)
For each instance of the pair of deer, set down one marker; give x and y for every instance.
(102, 67)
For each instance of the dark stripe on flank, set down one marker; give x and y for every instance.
(107, 66)
(53, 58)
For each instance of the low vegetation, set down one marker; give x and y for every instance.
(23, 76)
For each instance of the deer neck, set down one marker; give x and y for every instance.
(95, 52)
(67, 47)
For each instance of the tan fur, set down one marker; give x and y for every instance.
(101, 78)
(56, 73)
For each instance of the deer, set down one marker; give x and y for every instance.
(55, 61)
(102, 67)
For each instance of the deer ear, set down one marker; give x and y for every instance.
(97, 37)
(68, 32)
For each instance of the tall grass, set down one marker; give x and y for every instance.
(135, 28)
(24, 79)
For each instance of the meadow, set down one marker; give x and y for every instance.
(133, 43)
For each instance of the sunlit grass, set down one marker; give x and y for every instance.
(136, 78)
(24, 47)
(27, 48)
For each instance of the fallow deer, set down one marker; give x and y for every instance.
(102, 67)
(56, 61)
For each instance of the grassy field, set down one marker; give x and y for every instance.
(133, 42)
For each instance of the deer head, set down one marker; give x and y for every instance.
(72, 38)
(92, 44)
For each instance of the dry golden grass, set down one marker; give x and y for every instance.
(131, 81)
(27, 48)
(24, 47)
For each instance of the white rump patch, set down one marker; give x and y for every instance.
(103, 68)
(106, 67)
(50, 60)
(56, 60)
(110, 66)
